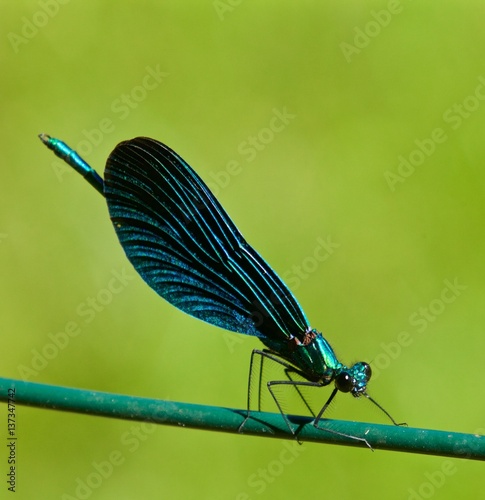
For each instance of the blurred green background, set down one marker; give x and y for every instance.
(380, 152)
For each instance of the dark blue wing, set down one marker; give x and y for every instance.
(184, 245)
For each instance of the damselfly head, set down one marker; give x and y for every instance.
(354, 379)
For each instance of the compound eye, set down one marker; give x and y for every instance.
(344, 382)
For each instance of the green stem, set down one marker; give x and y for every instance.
(385, 437)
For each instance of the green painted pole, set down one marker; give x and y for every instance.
(380, 437)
